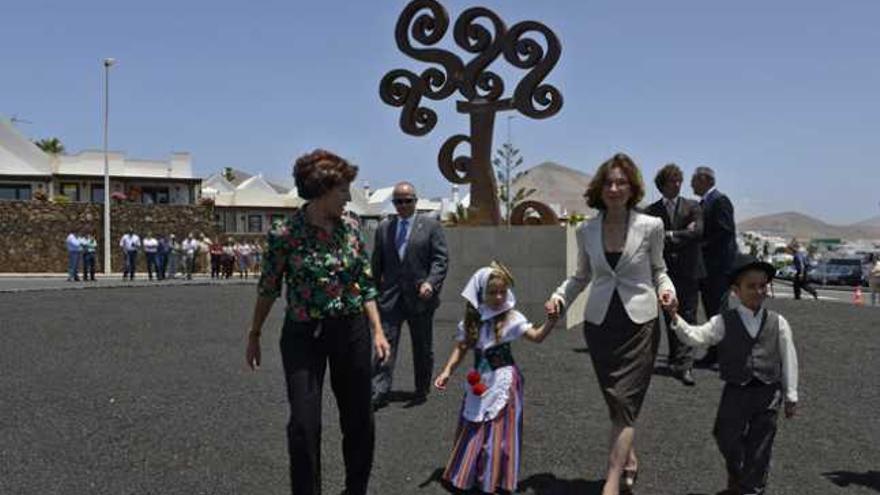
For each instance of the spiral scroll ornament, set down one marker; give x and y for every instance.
(527, 53)
(456, 169)
(477, 82)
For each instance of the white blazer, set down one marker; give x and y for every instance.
(639, 276)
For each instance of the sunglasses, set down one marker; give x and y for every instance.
(403, 201)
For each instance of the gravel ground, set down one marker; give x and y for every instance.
(144, 391)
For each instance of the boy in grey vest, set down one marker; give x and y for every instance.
(758, 364)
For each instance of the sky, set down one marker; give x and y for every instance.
(781, 98)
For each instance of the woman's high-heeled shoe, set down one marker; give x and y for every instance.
(628, 480)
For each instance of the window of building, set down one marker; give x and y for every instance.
(255, 223)
(155, 195)
(97, 193)
(70, 190)
(11, 192)
(230, 225)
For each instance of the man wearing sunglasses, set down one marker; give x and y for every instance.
(409, 262)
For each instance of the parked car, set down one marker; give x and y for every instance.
(838, 271)
(786, 272)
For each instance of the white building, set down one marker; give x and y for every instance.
(251, 206)
(25, 170)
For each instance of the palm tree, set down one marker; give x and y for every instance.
(52, 146)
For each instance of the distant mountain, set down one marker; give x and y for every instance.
(556, 184)
(794, 224)
(871, 222)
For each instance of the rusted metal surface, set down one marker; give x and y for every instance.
(533, 213)
(426, 22)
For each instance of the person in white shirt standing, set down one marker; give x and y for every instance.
(243, 253)
(190, 251)
(874, 280)
(175, 252)
(758, 363)
(130, 243)
(151, 251)
(74, 249)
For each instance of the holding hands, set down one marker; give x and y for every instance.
(553, 308)
(668, 302)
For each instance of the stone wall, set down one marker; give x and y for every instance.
(32, 233)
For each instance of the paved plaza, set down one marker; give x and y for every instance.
(143, 390)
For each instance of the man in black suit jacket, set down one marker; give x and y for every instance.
(719, 245)
(683, 222)
(410, 262)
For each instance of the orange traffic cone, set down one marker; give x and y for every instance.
(858, 299)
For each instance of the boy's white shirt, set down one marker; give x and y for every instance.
(712, 332)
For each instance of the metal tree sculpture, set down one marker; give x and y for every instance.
(427, 22)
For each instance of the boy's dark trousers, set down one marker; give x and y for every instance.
(306, 349)
(744, 430)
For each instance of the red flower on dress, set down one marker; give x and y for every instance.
(305, 292)
(473, 377)
(479, 389)
(302, 314)
(297, 261)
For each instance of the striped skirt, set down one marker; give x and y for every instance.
(486, 455)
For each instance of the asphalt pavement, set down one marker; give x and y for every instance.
(144, 391)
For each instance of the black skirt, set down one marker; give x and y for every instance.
(623, 356)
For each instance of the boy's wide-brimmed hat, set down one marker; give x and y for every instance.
(745, 262)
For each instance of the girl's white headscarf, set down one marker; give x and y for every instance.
(475, 291)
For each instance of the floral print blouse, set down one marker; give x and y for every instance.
(328, 275)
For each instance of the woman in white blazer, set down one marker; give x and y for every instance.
(620, 262)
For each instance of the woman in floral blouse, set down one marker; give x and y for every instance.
(321, 258)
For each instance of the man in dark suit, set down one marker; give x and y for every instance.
(410, 262)
(719, 246)
(801, 267)
(683, 222)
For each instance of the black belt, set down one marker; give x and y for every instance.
(496, 357)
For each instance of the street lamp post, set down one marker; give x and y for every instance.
(108, 62)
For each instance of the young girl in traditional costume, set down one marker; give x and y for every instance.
(486, 453)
